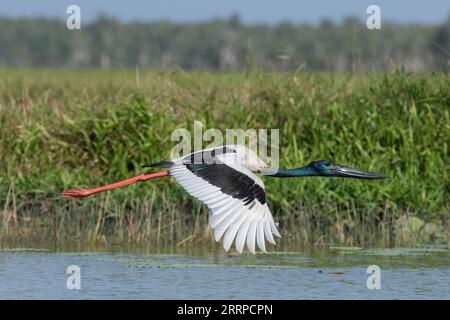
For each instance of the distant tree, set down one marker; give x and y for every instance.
(440, 46)
(225, 44)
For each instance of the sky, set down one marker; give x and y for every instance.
(250, 11)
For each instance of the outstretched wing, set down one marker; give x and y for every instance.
(235, 196)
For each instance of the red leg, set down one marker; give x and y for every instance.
(81, 193)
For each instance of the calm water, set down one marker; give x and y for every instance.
(421, 273)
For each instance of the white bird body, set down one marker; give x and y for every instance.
(223, 178)
(242, 156)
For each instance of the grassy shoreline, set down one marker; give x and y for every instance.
(62, 128)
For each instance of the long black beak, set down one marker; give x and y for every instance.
(347, 172)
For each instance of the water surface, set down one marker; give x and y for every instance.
(340, 273)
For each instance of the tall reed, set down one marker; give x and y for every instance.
(62, 128)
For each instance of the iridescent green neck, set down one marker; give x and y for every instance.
(298, 172)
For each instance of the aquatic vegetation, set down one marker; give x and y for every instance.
(23, 250)
(64, 128)
(403, 251)
(332, 248)
(204, 265)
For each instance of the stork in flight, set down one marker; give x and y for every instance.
(224, 179)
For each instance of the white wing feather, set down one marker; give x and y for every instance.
(230, 217)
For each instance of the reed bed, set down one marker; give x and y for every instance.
(79, 128)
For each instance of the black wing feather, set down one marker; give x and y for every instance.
(229, 180)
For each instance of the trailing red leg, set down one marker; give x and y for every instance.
(81, 193)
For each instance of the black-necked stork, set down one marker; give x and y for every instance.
(224, 179)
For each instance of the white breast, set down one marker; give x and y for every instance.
(234, 194)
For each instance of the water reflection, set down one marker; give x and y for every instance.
(406, 273)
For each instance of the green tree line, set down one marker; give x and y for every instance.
(225, 44)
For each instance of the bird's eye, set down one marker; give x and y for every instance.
(327, 163)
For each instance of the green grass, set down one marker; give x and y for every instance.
(64, 128)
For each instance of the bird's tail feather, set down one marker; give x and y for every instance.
(161, 164)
